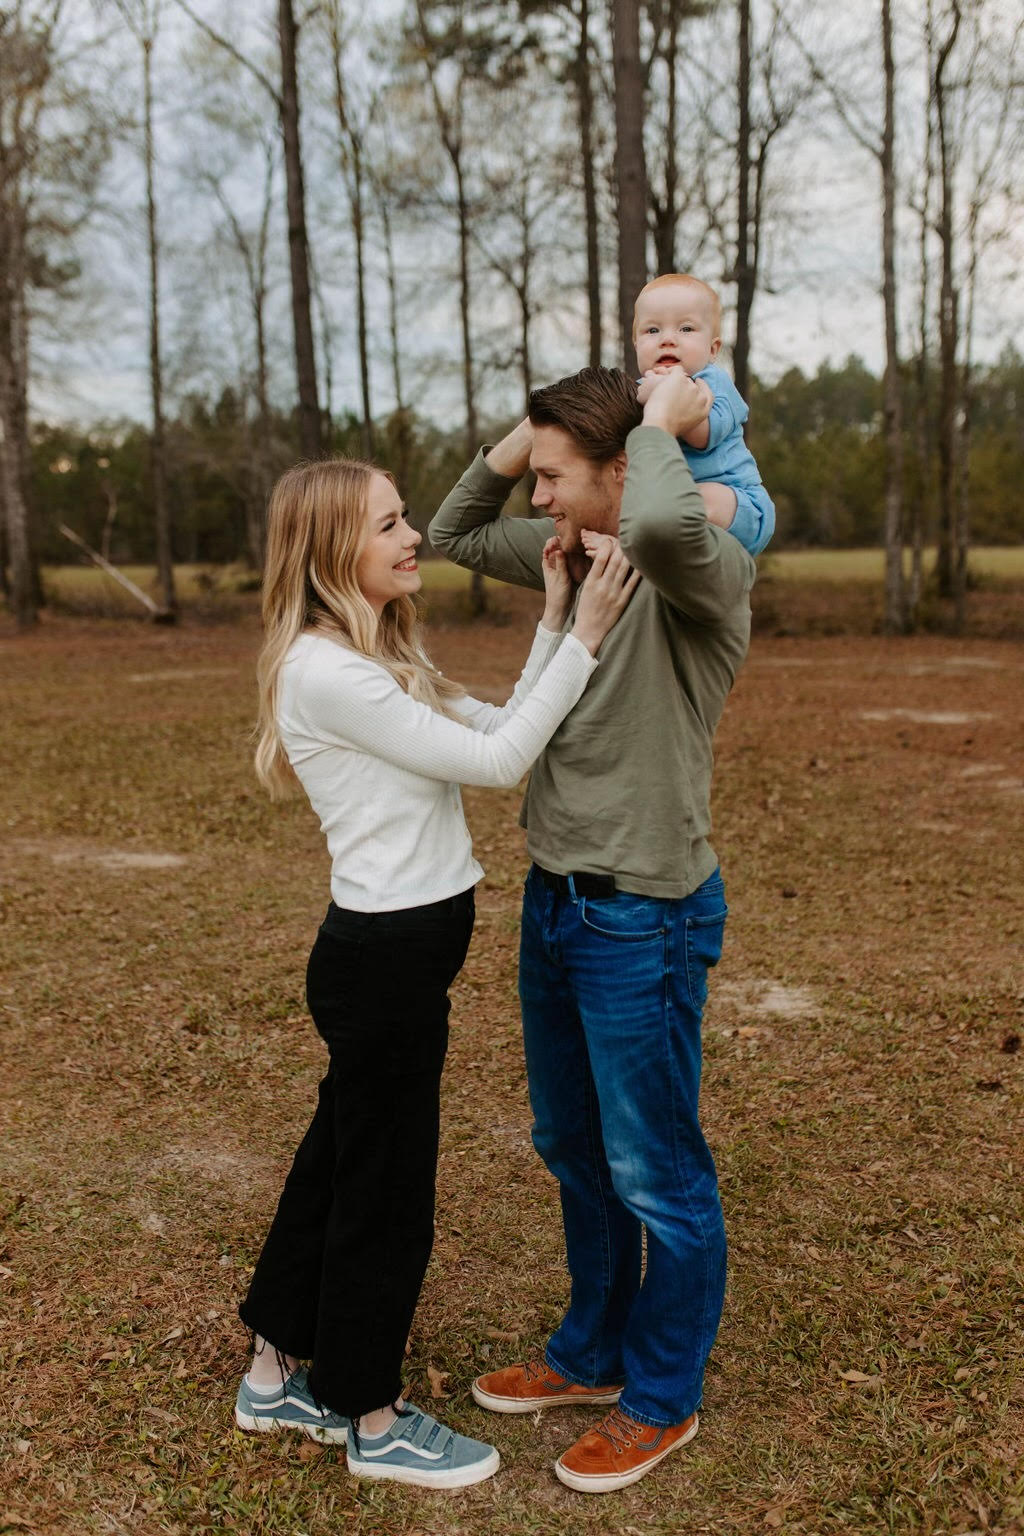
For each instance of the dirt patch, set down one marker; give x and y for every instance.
(766, 999)
(178, 675)
(116, 860)
(925, 716)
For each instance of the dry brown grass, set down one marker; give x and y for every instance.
(862, 1092)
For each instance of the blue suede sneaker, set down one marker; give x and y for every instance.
(290, 1406)
(417, 1449)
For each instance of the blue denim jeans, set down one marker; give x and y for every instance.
(612, 992)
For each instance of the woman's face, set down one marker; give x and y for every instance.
(387, 567)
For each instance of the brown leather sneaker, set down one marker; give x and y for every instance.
(619, 1451)
(525, 1388)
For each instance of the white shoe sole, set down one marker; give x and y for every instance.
(532, 1404)
(459, 1477)
(610, 1483)
(263, 1426)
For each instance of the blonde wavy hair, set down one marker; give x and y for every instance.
(317, 527)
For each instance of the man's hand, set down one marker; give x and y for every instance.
(674, 401)
(511, 457)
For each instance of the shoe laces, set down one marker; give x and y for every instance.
(620, 1430)
(533, 1370)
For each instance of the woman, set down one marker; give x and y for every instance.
(351, 706)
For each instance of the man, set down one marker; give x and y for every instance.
(624, 908)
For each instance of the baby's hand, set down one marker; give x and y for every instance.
(650, 379)
(558, 587)
(607, 590)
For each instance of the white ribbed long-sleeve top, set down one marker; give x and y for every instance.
(382, 771)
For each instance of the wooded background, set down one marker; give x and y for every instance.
(374, 229)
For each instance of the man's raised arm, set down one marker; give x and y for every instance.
(468, 527)
(663, 528)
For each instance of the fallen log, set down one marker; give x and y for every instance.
(157, 614)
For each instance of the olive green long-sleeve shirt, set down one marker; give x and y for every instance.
(623, 786)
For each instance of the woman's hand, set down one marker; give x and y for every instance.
(606, 591)
(558, 586)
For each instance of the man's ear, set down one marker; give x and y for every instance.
(618, 468)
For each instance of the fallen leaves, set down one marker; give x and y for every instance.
(860, 1378)
(437, 1380)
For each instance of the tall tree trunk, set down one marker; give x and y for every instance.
(921, 519)
(13, 276)
(256, 504)
(351, 154)
(158, 448)
(359, 232)
(895, 618)
(962, 505)
(585, 100)
(469, 392)
(961, 517)
(948, 323)
(744, 272)
(630, 167)
(525, 310)
(667, 219)
(310, 425)
(22, 591)
(477, 591)
(403, 435)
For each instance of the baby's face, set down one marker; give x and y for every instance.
(675, 327)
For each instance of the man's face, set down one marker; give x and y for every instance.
(574, 490)
(675, 326)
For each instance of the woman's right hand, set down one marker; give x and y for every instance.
(605, 593)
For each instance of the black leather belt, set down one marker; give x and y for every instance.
(585, 883)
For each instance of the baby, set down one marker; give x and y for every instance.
(676, 321)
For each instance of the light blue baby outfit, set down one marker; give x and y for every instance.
(728, 460)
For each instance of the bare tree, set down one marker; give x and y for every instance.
(143, 20)
(578, 69)
(630, 166)
(251, 247)
(992, 136)
(285, 98)
(25, 63)
(920, 511)
(522, 239)
(881, 146)
(351, 150)
(51, 150)
(449, 112)
(454, 41)
(767, 102)
(675, 193)
(948, 301)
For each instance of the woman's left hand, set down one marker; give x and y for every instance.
(558, 586)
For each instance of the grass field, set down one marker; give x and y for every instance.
(74, 584)
(862, 1094)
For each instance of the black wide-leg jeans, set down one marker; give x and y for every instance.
(340, 1272)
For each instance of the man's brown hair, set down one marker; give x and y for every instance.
(597, 407)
